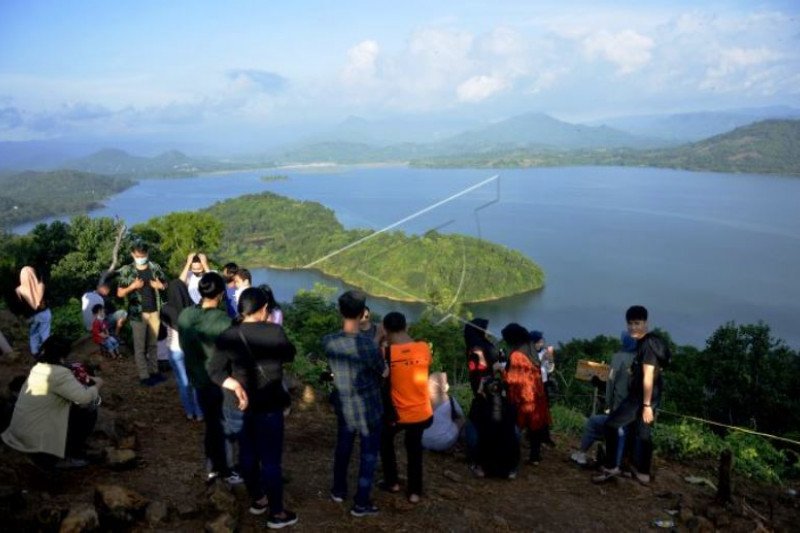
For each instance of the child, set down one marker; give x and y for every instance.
(100, 334)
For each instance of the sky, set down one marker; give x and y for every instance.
(251, 71)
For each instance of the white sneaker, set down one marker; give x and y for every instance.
(234, 478)
(579, 457)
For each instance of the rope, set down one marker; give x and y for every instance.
(734, 428)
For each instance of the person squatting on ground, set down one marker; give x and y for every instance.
(198, 330)
(141, 284)
(408, 407)
(31, 302)
(178, 299)
(448, 417)
(635, 415)
(525, 389)
(249, 361)
(616, 388)
(100, 334)
(357, 370)
(55, 412)
(115, 318)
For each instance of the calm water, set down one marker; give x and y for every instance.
(698, 249)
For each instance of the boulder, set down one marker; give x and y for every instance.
(81, 517)
(221, 499)
(452, 476)
(224, 523)
(156, 513)
(119, 504)
(120, 459)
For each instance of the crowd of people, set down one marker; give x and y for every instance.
(227, 348)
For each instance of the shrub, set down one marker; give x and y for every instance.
(567, 421)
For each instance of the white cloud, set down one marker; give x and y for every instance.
(479, 88)
(362, 62)
(627, 49)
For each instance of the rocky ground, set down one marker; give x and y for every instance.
(148, 474)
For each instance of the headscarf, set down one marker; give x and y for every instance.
(178, 299)
(438, 387)
(629, 344)
(30, 288)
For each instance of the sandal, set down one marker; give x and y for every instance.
(606, 475)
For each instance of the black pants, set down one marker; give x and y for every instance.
(81, 425)
(210, 400)
(413, 441)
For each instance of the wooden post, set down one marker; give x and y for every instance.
(724, 481)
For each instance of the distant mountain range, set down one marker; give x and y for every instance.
(687, 127)
(114, 162)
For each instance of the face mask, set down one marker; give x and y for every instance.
(140, 260)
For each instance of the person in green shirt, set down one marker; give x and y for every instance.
(140, 284)
(198, 329)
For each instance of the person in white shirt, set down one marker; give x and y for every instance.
(89, 299)
(196, 265)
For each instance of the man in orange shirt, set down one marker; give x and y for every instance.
(409, 363)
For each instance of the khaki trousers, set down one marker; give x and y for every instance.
(145, 344)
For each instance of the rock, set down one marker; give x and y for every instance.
(447, 494)
(452, 476)
(188, 510)
(49, 517)
(222, 500)
(700, 524)
(129, 442)
(224, 523)
(156, 513)
(500, 522)
(120, 459)
(81, 517)
(119, 504)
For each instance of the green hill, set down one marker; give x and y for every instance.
(33, 195)
(766, 147)
(114, 162)
(267, 230)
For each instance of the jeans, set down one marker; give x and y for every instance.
(626, 421)
(40, 330)
(593, 431)
(370, 443)
(413, 442)
(232, 423)
(185, 389)
(260, 451)
(209, 397)
(111, 344)
(145, 344)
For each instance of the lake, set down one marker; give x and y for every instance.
(698, 249)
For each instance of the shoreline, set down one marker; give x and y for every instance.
(386, 296)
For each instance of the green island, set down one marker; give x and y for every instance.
(30, 196)
(268, 230)
(274, 177)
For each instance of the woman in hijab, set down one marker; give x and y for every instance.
(31, 295)
(481, 353)
(526, 389)
(178, 299)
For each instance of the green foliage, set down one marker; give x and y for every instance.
(573, 392)
(68, 320)
(447, 344)
(270, 230)
(178, 234)
(755, 457)
(567, 421)
(686, 440)
(307, 319)
(33, 195)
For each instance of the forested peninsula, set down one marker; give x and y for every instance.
(30, 196)
(267, 230)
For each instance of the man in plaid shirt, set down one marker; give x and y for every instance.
(358, 369)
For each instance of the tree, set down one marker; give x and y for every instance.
(179, 234)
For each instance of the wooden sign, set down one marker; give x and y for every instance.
(587, 369)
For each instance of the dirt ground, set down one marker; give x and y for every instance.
(553, 496)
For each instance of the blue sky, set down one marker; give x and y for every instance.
(193, 70)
